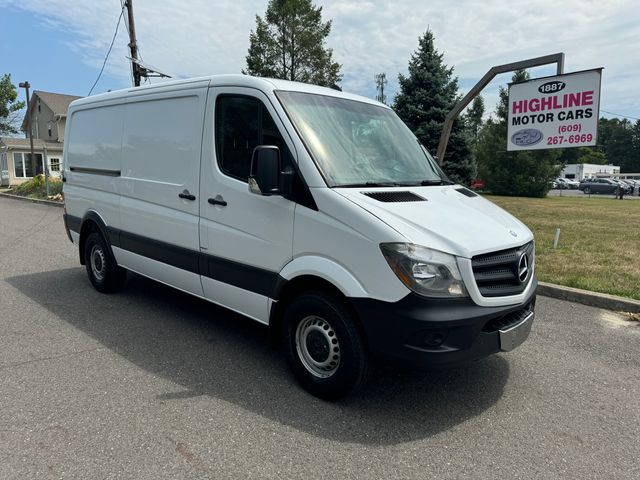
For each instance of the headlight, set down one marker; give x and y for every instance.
(428, 272)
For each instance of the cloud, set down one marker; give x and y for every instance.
(200, 37)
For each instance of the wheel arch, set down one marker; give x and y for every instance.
(93, 222)
(288, 290)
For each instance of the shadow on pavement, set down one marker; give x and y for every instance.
(211, 351)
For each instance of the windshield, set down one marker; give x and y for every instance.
(359, 144)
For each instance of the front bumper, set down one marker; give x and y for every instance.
(430, 332)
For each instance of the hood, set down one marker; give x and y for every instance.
(463, 224)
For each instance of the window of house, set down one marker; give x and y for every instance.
(49, 128)
(55, 164)
(242, 123)
(18, 164)
(23, 165)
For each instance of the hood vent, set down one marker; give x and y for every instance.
(394, 197)
(466, 192)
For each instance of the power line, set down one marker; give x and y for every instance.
(620, 115)
(108, 52)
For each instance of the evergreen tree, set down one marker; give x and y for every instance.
(526, 173)
(9, 106)
(474, 118)
(426, 95)
(616, 136)
(590, 155)
(289, 43)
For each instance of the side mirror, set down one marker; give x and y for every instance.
(264, 177)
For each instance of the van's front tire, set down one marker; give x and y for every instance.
(324, 346)
(103, 271)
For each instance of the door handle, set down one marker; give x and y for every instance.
(186, 195)
(217, 201)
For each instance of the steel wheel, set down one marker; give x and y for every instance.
(103, 271)
(98, 262)
(318, 346)
(324, 345)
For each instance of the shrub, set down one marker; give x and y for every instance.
(36, 187)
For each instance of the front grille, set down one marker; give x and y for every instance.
(498, 274)
(393, 197)
(508, 321)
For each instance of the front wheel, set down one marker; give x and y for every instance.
(324, 346)
(103, 271)
(587, 190)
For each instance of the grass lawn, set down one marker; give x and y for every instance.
(599, 246)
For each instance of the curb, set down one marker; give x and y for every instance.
(585, 297)
(32, 200)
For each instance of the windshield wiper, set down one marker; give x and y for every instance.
(426, 183)
(369, 184)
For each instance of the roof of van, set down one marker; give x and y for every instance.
(264, 84)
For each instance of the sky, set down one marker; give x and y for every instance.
(60, 45)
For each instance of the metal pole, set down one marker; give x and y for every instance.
(557, 58)
(133, 44)
(46, 170)
(26, 86)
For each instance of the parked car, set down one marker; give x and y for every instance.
(628, 185)
(312, 211)
(636, 185)
(598, 185)
(566, 183)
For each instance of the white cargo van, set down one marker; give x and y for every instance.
(310, 210)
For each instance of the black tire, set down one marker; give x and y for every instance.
(317, 329)
(587, 190)
(103, 271)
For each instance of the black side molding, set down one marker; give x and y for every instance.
(254, 279)
(96, 171)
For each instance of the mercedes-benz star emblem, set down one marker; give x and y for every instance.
(523, 268)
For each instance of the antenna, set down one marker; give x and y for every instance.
(147, 70)
(381, 81)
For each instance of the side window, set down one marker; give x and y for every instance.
(241, 124)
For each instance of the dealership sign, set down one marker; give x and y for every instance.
(554, 112)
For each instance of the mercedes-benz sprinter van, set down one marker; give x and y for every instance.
(310, 210)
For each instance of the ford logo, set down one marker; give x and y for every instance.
(526, 137)
(551, 87)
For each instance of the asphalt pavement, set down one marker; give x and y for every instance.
(151, 383)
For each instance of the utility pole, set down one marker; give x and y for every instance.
(138, 68)
(133, 44)
(26, 86)
(381, 81)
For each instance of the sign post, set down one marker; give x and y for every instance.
(554, 112)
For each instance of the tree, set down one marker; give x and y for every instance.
(590, 155)
(523, 173)
(426, 95)
(9, 106)
(289, 43)
(617, 139)
(474, 118)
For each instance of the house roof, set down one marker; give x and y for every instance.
(57, 102)
(23, 143)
